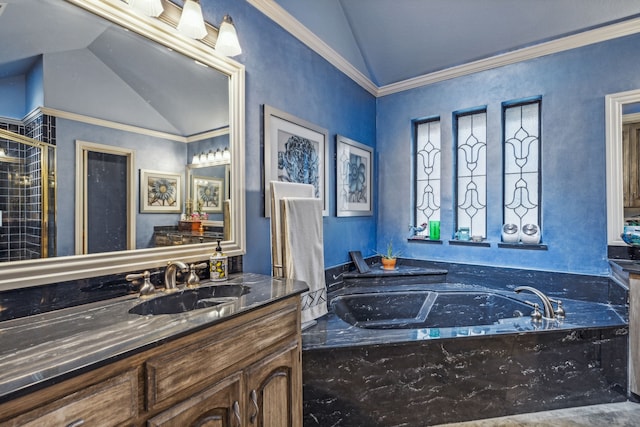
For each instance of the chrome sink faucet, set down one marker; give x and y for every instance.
(171, 272)
(546, 301)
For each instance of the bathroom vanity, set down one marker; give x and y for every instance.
(235, 364)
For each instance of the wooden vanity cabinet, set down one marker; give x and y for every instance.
(266, 390)
(243, 372)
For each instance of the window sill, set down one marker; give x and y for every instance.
(526, 246)
(424, 240)
(483, 244)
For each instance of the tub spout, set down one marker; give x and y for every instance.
(546, 303)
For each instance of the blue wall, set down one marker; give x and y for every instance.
(150, 153)
(285, 74)
(12, 97)
(573, 85)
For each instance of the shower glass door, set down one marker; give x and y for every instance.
(27, 198)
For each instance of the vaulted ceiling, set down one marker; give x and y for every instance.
(391, 41)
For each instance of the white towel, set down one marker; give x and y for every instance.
(303, 252)
(278, 191)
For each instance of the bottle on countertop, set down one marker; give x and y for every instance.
(218, 265)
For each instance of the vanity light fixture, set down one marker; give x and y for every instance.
(227, 43)
(212, 158)
(147, 7)
(191, 21)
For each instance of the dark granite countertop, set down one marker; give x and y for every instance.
(40, 350)
(376, 270)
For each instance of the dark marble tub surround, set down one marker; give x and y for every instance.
(43, 349)
(23, 302)
(428, 382)
(423, 376)
(559, 285)
(553, 284)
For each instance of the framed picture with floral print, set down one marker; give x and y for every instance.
(354, 173)
(160, 192)
(208, 193)
(295, 151)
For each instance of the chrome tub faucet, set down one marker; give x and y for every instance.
(547, 303)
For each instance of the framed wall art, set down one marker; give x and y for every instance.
(160, 192)
(294, 151)
(208, 194)
(354, 174)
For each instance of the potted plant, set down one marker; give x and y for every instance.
(388, 259)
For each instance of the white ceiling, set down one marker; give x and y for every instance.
(391, 41)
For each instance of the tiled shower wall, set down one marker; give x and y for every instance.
(21, 191)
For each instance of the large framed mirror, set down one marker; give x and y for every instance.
(94, 75)
(615, 105)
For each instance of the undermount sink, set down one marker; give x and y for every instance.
(190, 299)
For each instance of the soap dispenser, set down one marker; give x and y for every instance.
(218, 265)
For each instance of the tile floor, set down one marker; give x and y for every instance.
(624, 414)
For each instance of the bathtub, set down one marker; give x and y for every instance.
(424, 354)
(427, 309)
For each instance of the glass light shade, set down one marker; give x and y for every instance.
(191, 21)
(218, 154)
(226, 154)
(210, 156)
(196, 159)
(147, 7)
(227, 43)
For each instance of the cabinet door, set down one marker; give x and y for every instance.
(274, 387)
(217, 406)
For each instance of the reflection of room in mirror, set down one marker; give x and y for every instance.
(24, 194)
(89, 80)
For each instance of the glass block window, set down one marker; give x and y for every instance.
(471, 171)
(427, 171)
(521, 122)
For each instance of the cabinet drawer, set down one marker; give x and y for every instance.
(200, 363)
(216, 406)
(108, 403)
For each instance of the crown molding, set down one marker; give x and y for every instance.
(555, 46)
(281, 17)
